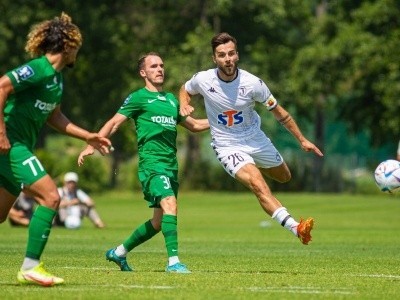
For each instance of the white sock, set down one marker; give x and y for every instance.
(285, 219)
(121, 251)
(29, 263)
(173, 260)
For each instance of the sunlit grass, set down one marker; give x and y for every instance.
(234, 250)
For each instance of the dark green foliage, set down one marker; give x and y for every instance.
(327, 62)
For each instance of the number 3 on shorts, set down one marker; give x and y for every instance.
(167, 183)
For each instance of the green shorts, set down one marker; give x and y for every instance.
(157, 185)
(18, 168)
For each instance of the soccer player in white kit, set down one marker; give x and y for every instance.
(240, 145)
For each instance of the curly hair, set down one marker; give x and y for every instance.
(53, 36)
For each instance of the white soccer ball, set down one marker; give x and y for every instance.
(387, 176)
(73, 222)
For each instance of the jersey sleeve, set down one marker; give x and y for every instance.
(192, 85)
(129, 107)
(27, 75)
(263, 95)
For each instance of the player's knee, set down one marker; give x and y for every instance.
(52, 200)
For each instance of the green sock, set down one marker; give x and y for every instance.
(39, 231)
(169, 230)
(143, 233)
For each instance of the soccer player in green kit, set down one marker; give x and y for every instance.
(30, 96)
(156, 114)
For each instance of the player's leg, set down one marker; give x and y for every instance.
(251, 177)
(6, 202)
(24, 167)
(169, 225)
(32, 271)
(279, 173)
(271, 164)
(9, 189)
(240, 165)
(268, 159)
(143, 232)
(164, 186)
(169, 228)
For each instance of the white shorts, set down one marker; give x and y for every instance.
(258, 150)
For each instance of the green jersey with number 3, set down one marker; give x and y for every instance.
(37, 91)
(156, 115)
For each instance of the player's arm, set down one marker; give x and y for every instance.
(290, 124)
(112, 125)
(195, 125)
(184, 102)
(6, 88)
(108, 129)
(61, 123)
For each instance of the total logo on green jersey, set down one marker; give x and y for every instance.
(164, 121)
(45, 107)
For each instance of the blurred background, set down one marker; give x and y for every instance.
(334, 65)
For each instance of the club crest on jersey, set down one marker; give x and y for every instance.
(126, 101)
(230, 117)
(24, 72)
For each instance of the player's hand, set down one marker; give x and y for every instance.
(89, 150)
(308, 147)
(100, 143)
(186, 110)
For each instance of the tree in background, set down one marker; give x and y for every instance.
(338, 65)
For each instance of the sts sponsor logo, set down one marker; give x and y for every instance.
(230, 117)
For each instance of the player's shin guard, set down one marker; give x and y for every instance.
(39, 231)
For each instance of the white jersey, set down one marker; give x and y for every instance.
(230, 105)
(79, 194)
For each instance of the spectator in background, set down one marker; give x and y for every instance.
(21, 212)
(75, 204)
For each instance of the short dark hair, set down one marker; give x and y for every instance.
(221, 38)
(141, 60)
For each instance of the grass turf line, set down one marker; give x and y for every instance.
(354, 253)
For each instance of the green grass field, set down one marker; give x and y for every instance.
(355, 253)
